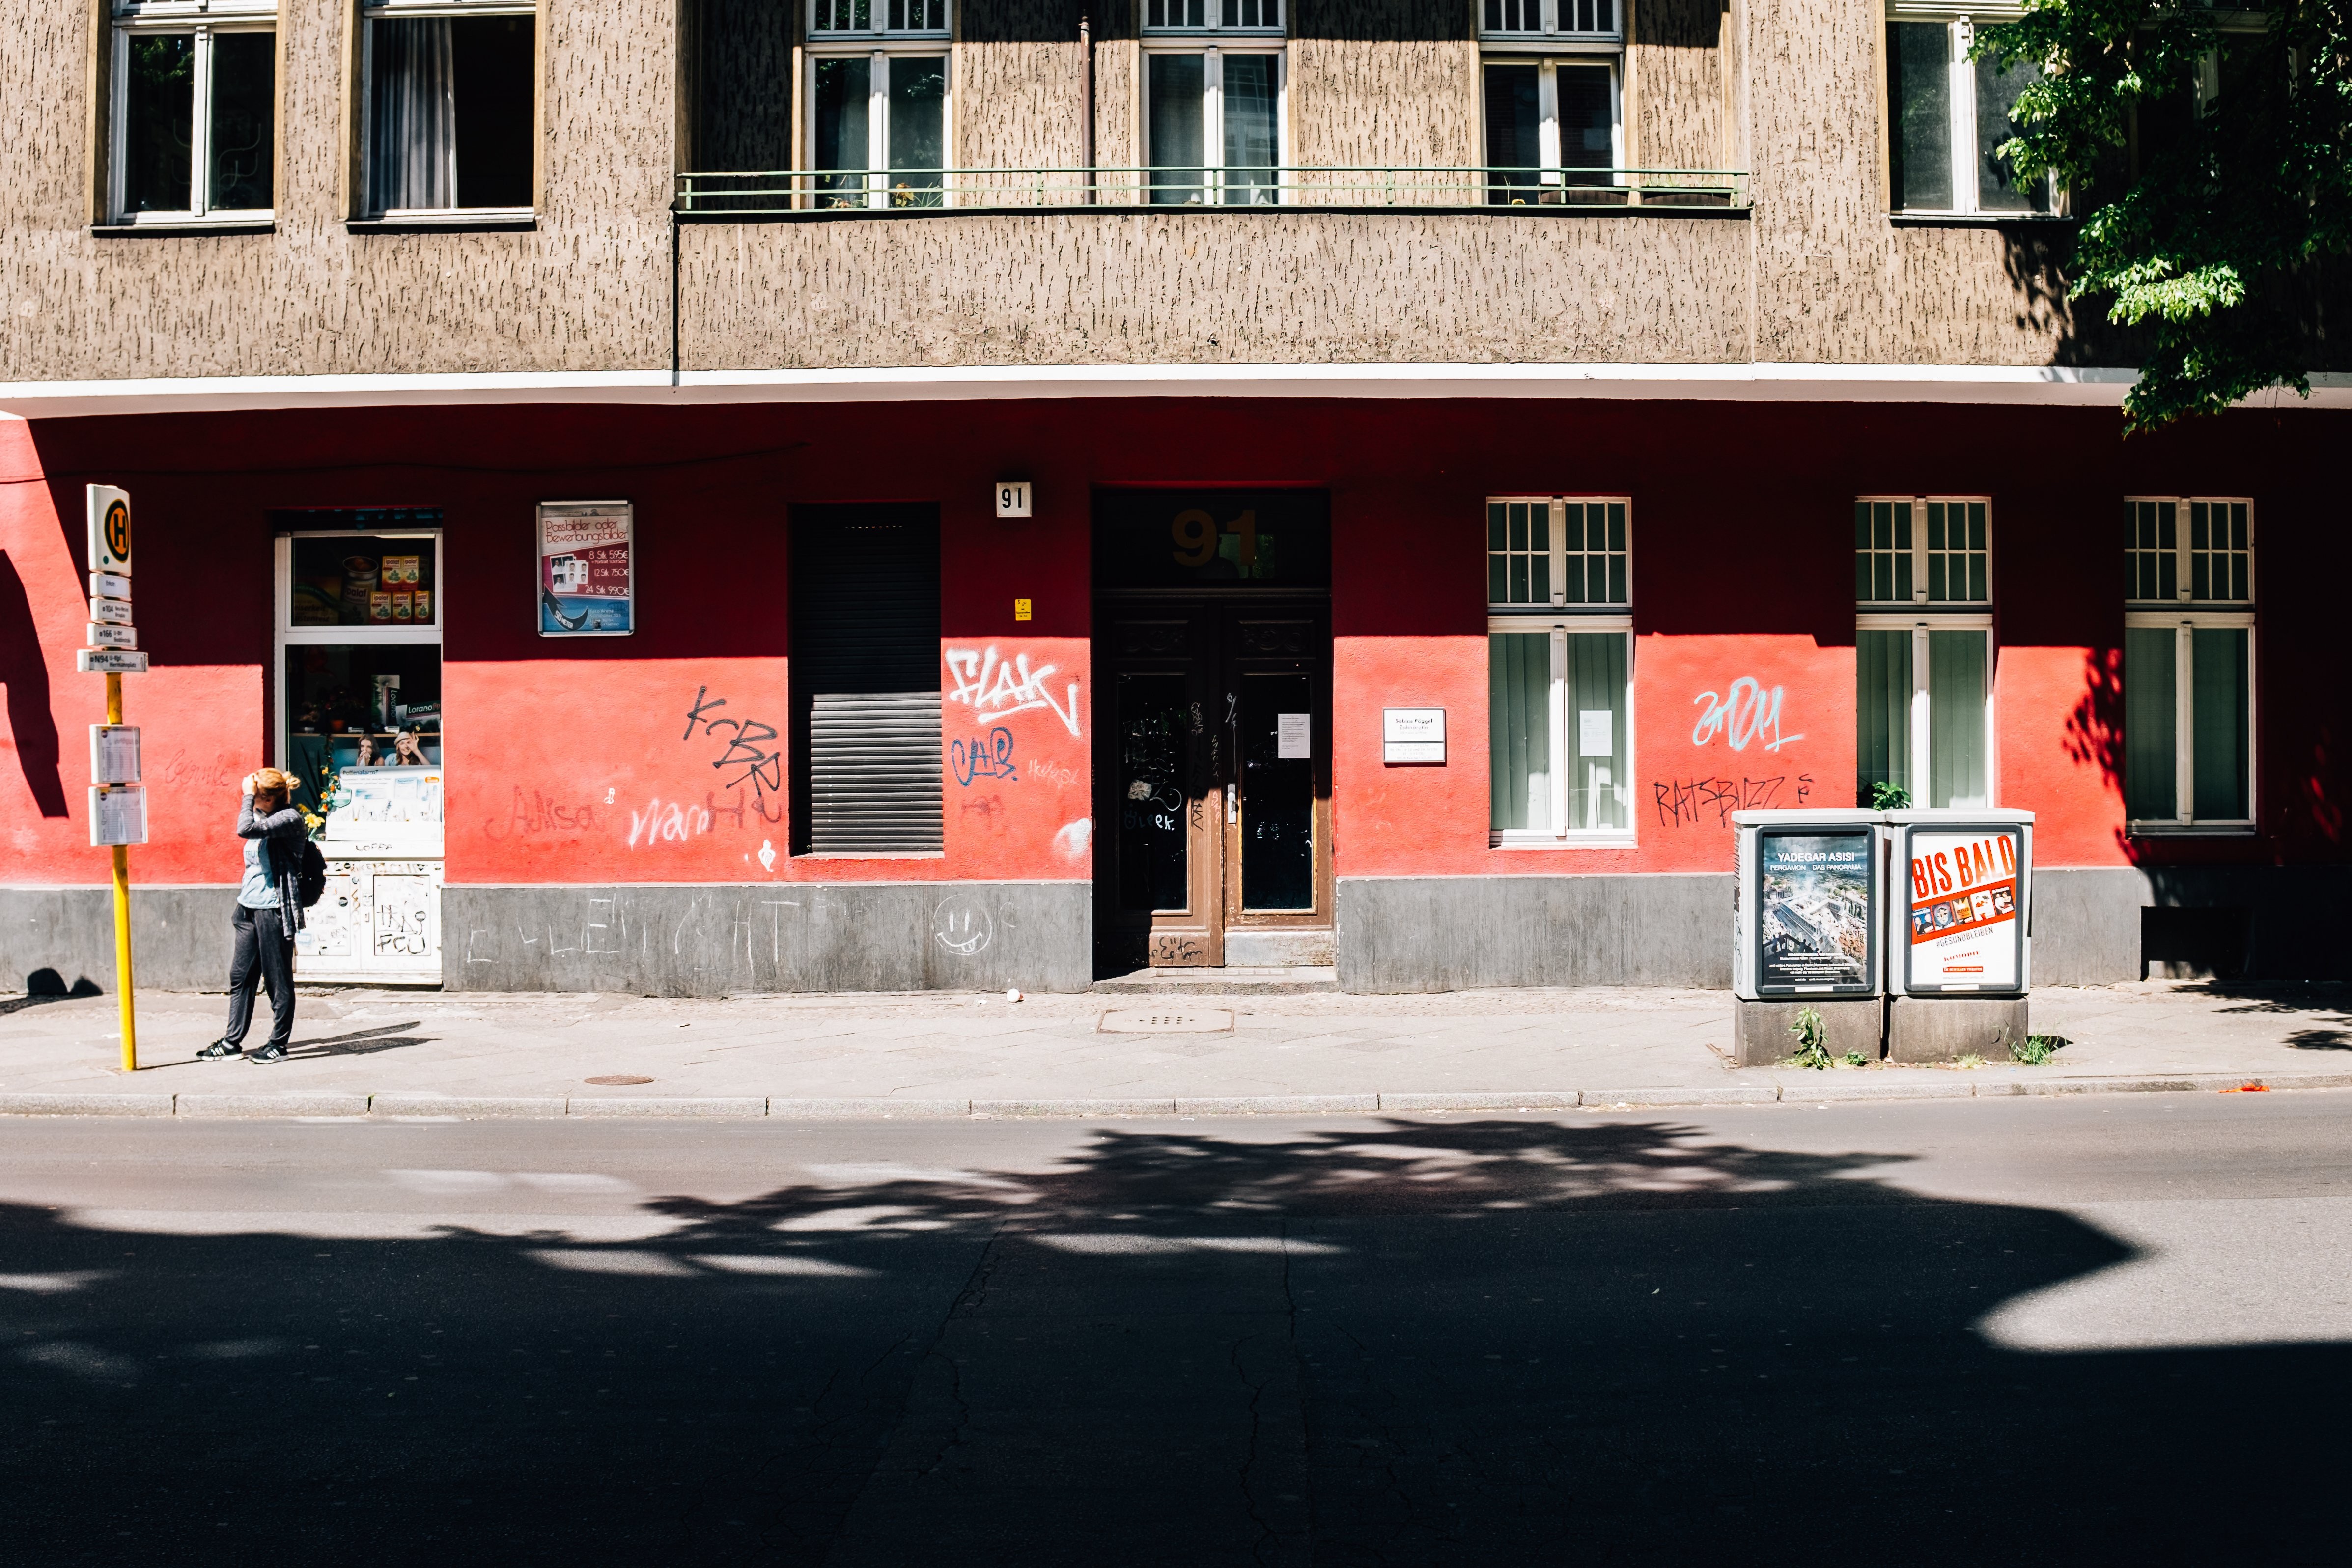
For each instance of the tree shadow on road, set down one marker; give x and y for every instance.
(1468, 1341)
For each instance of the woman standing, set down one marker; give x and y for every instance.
(269, 911)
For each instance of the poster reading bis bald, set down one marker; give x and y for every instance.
(1964, 914)
(587, 569)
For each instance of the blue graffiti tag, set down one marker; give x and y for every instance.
(989, 759)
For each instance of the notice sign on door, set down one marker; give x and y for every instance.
(587, 569)
(1964, 930)
(1290, 737)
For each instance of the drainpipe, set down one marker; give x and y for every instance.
(1086, 100)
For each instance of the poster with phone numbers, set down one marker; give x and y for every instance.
(1963, 933)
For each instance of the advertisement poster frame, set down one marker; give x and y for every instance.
(549, 609)
(1865, 984)
(2014, 916)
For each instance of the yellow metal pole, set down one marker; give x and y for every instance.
(122, 909)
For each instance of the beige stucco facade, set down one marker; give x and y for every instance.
(1813, 271)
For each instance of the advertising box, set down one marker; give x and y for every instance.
(1808, 908)
(1961, 890)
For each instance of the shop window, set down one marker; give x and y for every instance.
(877, 97)
(1923, 676)
(1559, 671)
(195, 111)
(1947, 116)
(450, 108)
(1553, 124)
(865, 662)
(2189, 668)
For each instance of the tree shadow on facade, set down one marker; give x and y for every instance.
(1472, 1342)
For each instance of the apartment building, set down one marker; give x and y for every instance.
(750, 494)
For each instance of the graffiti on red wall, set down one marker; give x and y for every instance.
(1687, 803)
(984, 758)
(995, 688)
(1746, 713)
(751, 751)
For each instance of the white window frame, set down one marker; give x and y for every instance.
(1213, 46)
(1213, 23)
(205, 20)
(1959, 21)
(1561, 835)
(817, 36)
(1919, 552)
(1921, 731)
(1551, 172)
(2184, 550)
(1551, 34)
(878, 51)
(1559, 602)
(2181, 623)
(374, 10)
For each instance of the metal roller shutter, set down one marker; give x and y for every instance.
(865, 677)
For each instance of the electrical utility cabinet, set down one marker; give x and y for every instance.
(1810, 906)
(1960, 902)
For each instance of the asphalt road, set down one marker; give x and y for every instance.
(1964, 1331)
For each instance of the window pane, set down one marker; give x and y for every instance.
(413, 120)
(1177, 130)
(1598, 796)
(919, 95)
(1585, 142)
(1520, 722)
(492, 57)
(159, 95)
(1955, 719)
(243, 121)
(2217, 702)
(843, 107)
(2149, 714)
(1997, 90)
(1513, 123)
(1250, 151)
(1919, 56)
(1882, 701)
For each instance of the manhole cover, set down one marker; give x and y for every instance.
(1168, 1021)
(617, 1079)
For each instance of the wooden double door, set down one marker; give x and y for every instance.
(1214, 774)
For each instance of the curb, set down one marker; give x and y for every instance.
(331, 1103)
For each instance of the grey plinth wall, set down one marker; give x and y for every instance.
(702, 940)
(1449, 934)
(2286, 921)
(54, 938)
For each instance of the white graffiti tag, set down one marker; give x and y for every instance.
(995, 688)
(1748, 713)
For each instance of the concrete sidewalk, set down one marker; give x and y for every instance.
(390, 1052)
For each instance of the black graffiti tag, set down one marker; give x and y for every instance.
(751, 750)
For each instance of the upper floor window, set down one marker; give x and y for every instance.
(1559, 652)
(878, 124)
(872, 18)
(1213, 17)
(1548, 18)
(2189, 551)
(195, 110)
(1921, 551)
(450, 90)
(1947, 115)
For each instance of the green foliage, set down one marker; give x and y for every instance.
(1813, 1042)
(1885, 796)
(2034, 1050)
(2220, 243)
(1853, 1060)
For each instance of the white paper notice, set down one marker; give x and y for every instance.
(118, 815)
(114, 753)
(1290, 736)
(1596, 732)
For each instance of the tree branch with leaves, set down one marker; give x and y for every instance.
(2212, 151)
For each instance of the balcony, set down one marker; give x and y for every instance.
(782, 194)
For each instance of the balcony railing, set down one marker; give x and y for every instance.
(908, 191)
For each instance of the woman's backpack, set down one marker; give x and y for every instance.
(310, 876)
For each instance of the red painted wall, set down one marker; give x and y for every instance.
(577, 761)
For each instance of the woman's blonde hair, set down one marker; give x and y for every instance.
(272, 782)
